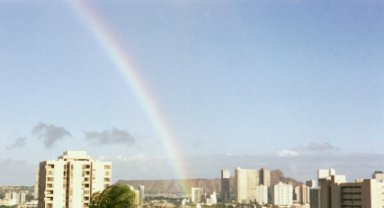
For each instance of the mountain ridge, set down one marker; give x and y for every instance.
(172, 186)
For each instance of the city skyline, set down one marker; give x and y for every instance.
(290, 85)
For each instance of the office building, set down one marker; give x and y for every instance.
(314, 196)
(363, 193)
(71, 180)
(225, 185)
(264, 177)
(246, 182)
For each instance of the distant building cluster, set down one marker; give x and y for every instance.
(199, 196)
(72, 179)
(14, 198)
(328, 191)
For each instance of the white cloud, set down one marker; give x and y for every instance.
(287, 153)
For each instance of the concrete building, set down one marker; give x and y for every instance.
(282, 195)
(71, 180)
(264, 177)
(329, 184)
(302, 194)
(362, 193)
(262, 194)
(246, 182)
(225, 185)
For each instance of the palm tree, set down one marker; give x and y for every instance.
(116, 196)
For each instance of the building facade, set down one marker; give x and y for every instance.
(71, 180)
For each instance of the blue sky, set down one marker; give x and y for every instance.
(281, 78)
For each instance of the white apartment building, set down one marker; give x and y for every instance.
(71, 180)
(262, 194)
(282, 195)
(246, 182)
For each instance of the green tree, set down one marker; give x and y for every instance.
(116, 196)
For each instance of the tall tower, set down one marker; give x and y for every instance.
(246, 182)
(265, 177)
(225, 185)
(71, 180)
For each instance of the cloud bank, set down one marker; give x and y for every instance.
(19, 143)
(49, 134)
(108, 137)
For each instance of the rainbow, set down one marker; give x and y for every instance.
(109, 41)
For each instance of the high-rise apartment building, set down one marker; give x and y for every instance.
(70, 181)
(246, 182)
(225, 185)
(302, 194)
(282, 195)
(264, 177)
(262, 194)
